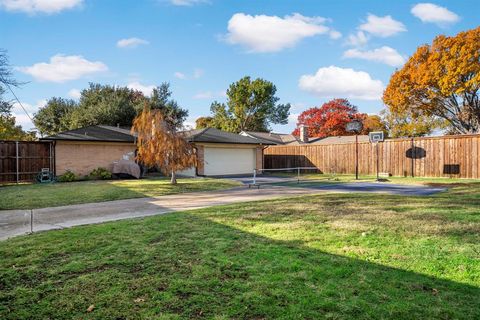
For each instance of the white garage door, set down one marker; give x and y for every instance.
(224, 161)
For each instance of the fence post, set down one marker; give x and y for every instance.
(16, 162)
(298, 175)
(50, 164)
(254, 176)
(31, 221)
(413, 157)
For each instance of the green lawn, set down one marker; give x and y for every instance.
(30, 196)
(333, 256)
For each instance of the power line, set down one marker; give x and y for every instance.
(16, 98)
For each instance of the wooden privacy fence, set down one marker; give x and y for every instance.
(446, 156)
(21, 161)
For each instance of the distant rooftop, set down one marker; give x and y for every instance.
(339, 139)
(289, 139)
(271, 137)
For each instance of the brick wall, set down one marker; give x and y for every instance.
(259, 158)
(200, 160)
(82, 157)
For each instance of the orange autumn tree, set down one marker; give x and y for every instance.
(160, 145)
(441, 81)
(373, 122)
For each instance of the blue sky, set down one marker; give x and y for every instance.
(311, 50)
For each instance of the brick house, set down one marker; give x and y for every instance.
(219, 152)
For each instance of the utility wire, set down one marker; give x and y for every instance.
(16, 98)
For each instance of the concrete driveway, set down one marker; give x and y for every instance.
(18, 222)
(377, 187)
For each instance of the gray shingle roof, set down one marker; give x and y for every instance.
(95, 133)
(115, 134)
(213, 135)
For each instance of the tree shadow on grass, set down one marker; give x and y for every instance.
(184, 265)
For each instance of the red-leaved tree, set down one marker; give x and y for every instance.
(330, 119)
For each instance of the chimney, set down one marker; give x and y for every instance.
(304, 133)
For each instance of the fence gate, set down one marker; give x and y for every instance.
(21, 161)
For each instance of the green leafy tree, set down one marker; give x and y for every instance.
(251, 105)
(55, 116)
(107, 105)
(204, 122)
(161, 100)
(9, 130)
(408, 124)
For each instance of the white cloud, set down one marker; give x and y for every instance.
(334, 34)
(197, 73)
(63, 68)
(188, 125)
(384, 54)
(204, 95)
(131, 42)
(336, 82)
(296, 106)
(145, 89)
(382, 26)
(429, 12)
(293, 118)
(357, 40)
(262, 33)
(209, 95)
(39, 6)
(74, 94)
(21, 118)
(180, 75)
(188, 3)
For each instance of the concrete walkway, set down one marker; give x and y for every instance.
(18, 222)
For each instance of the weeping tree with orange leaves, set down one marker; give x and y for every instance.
(160, 145)
(441, 81)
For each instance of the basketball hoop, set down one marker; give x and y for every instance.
(376, 137)
(356, 127)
